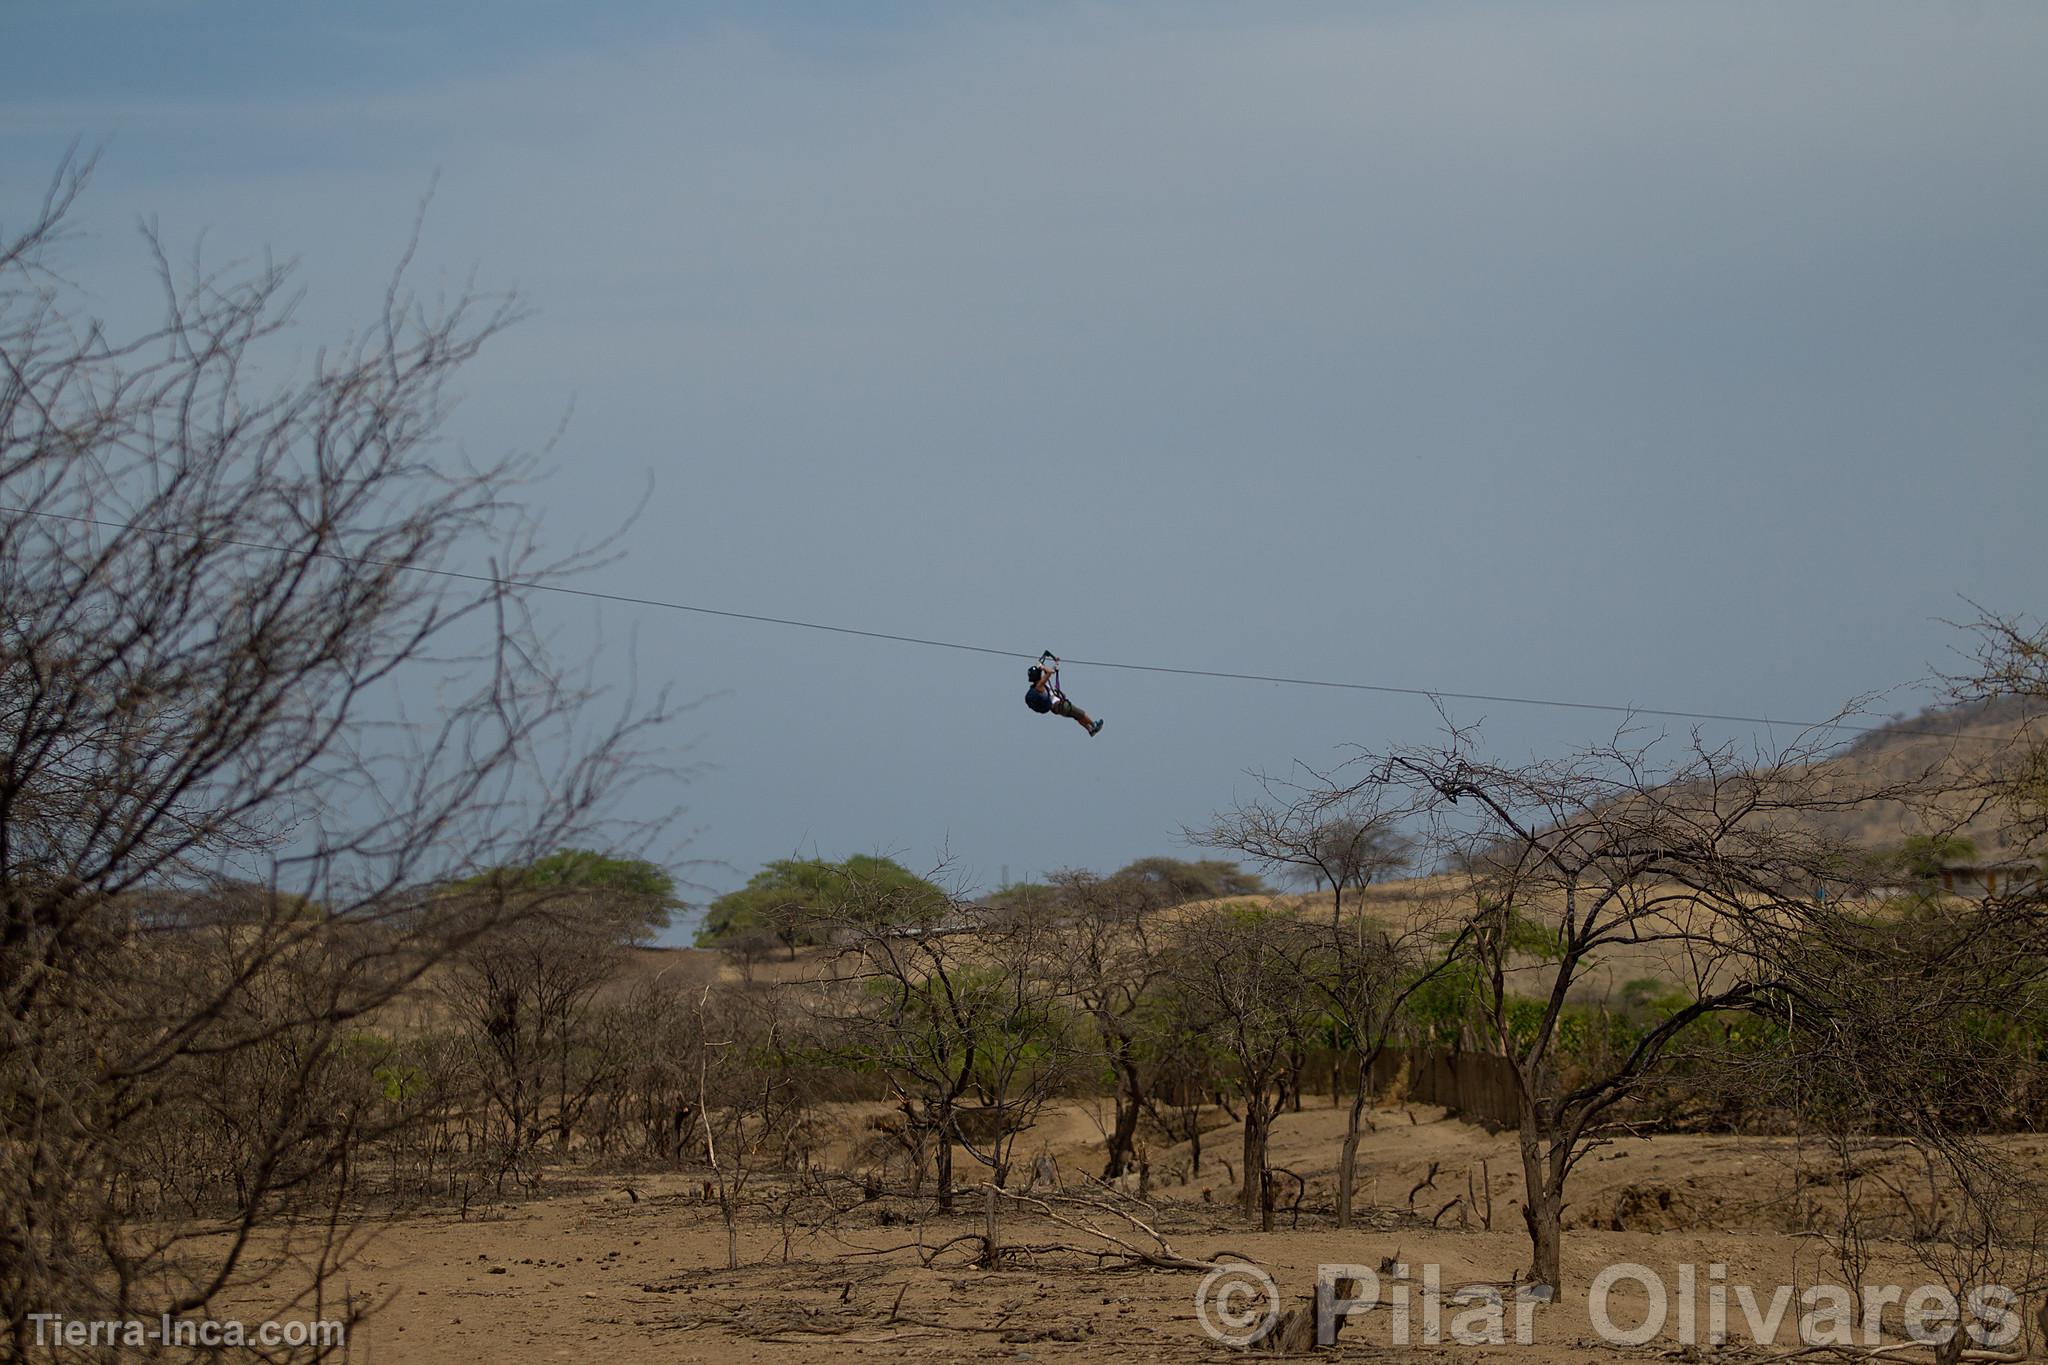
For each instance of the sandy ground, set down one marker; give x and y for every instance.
(627, 1270)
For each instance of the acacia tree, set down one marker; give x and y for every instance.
(1715, 859)
(1305, 833)
(1175, 881)
(210, 617)
(1112, 962)
(968, 1022)
(1338, 840)
(1242, 973)
(798, 901)
(636, 895)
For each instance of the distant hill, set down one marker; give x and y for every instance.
(1962, 749)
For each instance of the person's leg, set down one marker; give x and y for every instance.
(1063, 707)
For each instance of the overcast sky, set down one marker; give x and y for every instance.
(1684, 356)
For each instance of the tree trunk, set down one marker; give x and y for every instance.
(1347, 1164)
(1122, 1137)
(1256, 1123)
(1542, 1210)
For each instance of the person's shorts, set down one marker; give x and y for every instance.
(1038, 701)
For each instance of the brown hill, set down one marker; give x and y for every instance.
(1953, 761)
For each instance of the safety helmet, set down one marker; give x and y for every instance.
(1034, 672)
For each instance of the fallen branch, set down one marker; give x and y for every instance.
(1162, 1255)
(925, 1254)
(1975, 1355)
(867, 1340)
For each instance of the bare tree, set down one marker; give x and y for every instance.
(1343, 840)
(1112, 963)
(1907, 1050)
(1712, 859)
(210, 620)
(751, 1106)
(522, 994)
(1021, 1007)
(2009, 662)
(1376, 966)
(1908, 1043)
(1309, 834)
(1241, 973)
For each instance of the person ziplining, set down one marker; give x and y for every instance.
(1044, 695)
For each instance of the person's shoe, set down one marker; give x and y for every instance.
(1095, 729)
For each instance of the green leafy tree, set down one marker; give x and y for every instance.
(641, 895)
(793, 897)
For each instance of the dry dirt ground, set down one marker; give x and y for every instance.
(593, 1272)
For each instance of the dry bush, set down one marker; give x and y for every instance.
(216, 814)
(752, 1115)
(521, 996)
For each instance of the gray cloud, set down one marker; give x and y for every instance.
(1682, 355)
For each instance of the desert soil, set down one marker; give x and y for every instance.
(632, 1268)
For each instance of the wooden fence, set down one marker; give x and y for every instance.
(1474, 1085)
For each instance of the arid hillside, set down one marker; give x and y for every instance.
(1954, 758)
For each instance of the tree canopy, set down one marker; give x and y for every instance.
(792, 900)
(643, 894)
(1177, 881)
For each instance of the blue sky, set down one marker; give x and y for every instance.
(1687, 356)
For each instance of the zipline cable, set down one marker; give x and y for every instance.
(528, 585)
